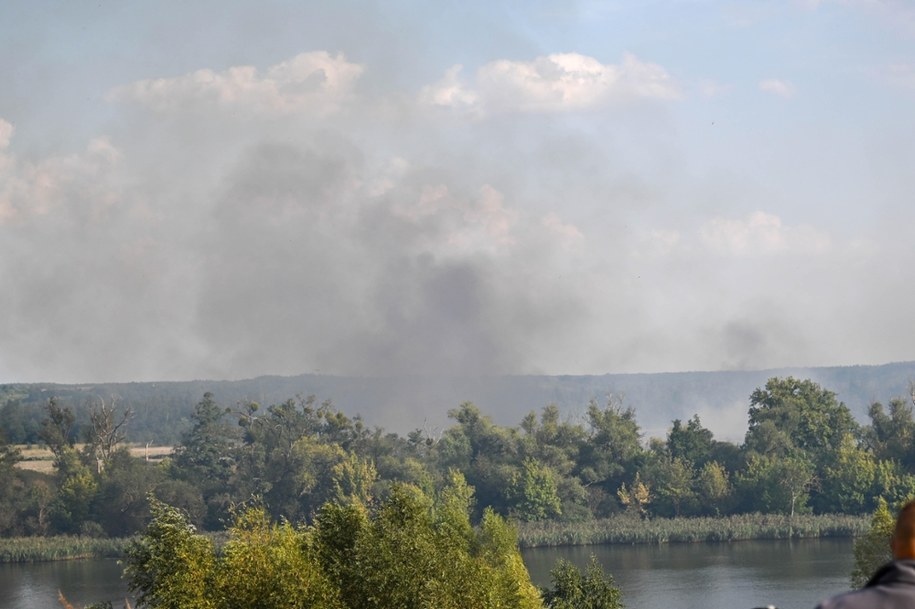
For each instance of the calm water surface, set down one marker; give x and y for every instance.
(790, 575)
(740, 575)
(83, 582)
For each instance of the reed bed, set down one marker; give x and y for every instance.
(73, 547)
(60, 547)
(622, 529)
(625, 529)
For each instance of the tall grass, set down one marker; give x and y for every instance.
(626, 529)
(61, 547)
(621, 529)
(71, 547)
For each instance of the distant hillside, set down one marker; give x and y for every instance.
(402, 404)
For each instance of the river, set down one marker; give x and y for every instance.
(741, 575)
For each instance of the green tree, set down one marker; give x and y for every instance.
(776, 484)
(873, 548)
(573, 590)
(11, 498)
(9, 456)
(204, 458)
(791, 414)
(337, 530)
(486, 454)
(691, 442)
(891, 435)
(672, 479)
(713, 488)
(635, 498)
(57, 428)
(415, 552)
(556, 444)
(611, 454)
(847, 480)
(893, 483)
(75, 483)
(204, 453)
(121, 506)
(170, 566)
(534, 492)
(353, 480)
(270, 566)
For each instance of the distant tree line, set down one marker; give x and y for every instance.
(803, 452)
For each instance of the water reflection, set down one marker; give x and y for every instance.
(733, 575)
(82, 581)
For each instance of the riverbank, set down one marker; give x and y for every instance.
(60, 547)
(617, 530)
(626, 529)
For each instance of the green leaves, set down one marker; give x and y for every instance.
(411, 552)
(171, 566)
(534, 492)
(873, 548)
(270, 566)
(574, 590)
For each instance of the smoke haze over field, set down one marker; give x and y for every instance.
(231, 189)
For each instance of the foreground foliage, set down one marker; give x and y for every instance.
(872, 549)
(573, 589)
(410, 551)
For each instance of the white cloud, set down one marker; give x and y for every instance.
(553, 83)
(450, 91)
(777, 87)
(309, 82)
(75, 184)
(566, 231)
(761, 233)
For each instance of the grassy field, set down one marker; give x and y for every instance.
(41, 459)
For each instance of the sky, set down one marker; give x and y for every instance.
(225, 189)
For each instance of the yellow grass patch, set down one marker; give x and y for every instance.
(42, 459)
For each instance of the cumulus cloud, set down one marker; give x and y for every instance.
(552, 83)
(309, 82)
(777, 87)
(451, 92)
(70, 184)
